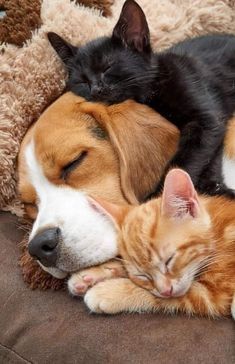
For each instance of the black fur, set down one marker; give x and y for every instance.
(192, 84)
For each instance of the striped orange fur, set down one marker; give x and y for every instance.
(178, 252)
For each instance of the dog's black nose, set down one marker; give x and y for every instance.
(43, 246)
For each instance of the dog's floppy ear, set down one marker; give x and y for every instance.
(64, 49)
(143, 140)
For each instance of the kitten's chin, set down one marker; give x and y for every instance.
(109, 100)
(182, 289)
(157, 294)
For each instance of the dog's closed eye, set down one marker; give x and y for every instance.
(69, 167)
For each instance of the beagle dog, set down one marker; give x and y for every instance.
(79, 148)
(76, 148)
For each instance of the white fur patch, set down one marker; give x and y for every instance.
(229, 172)
(88, 237)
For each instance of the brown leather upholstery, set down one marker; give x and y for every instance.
(47, 327)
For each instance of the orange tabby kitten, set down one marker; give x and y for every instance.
(178, 252)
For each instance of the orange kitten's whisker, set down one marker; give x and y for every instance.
(200, 267)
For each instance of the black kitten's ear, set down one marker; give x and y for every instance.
(132, 27)
(64, 49)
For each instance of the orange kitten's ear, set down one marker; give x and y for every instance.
(179, 197)
(114, 212)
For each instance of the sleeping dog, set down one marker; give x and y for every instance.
(116, 152)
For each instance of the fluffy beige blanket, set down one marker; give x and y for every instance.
(32, 77)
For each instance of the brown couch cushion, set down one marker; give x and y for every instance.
(52, 327)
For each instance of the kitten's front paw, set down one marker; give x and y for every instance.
(80, 282)
(102, 298)
(119, 295)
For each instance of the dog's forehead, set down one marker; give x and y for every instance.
(65, 127)
(64, 132)
(61, 120)
(67, 131)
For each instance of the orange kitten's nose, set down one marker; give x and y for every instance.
(168, 292)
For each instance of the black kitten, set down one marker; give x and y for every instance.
(192, 84)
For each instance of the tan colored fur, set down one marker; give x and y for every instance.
(120, 167)
(141, 144)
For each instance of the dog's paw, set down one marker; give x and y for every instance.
(80, 282)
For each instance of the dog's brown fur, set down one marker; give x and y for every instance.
(126, 141)
(128, 147)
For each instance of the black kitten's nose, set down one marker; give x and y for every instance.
(43, 246)
(96, 90)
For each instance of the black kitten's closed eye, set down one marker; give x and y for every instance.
(72, 165)
(85, 80)
(107, 68)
